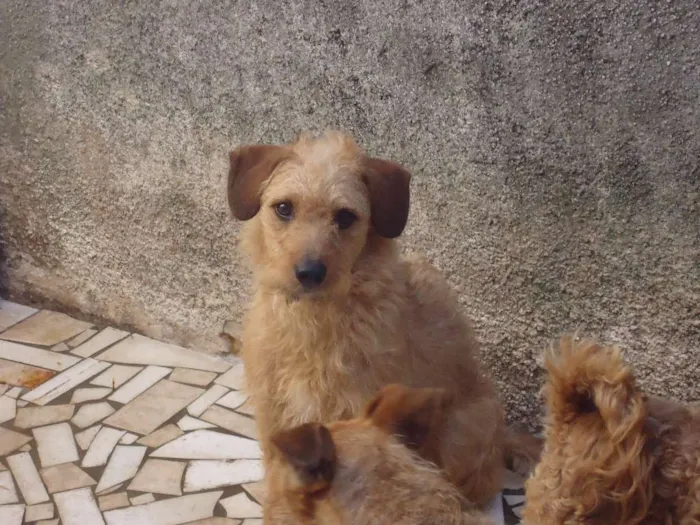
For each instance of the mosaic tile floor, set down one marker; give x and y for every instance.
(104, 427)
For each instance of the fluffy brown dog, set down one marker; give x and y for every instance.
(359, 472)
(338, 313)
(612, 456)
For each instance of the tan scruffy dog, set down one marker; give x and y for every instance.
(612, 456)
(338, 313)
(359, 472)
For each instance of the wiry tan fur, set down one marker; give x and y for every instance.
(612, 456)
(372, 479)
(379, 317)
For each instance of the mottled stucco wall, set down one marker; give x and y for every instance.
(555, 150)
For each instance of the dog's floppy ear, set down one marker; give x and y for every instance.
(409, 413)
(310, 451)
(249, 167)
(389, 194)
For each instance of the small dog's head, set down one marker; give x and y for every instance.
(364, 470)
(313, 207)
(596, 465)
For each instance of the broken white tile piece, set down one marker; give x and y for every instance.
(257, 491)
(161, 436)
(27, 478)
(139, 350)
(46, 328)
(102, 340)
(234, 378)
(141, 499)
(12, 313)
(63, 382)
(55, 444)
(116, 375)
(14, 392)
(148, 377)
(172, 511)
(17, 374)
(81, 338)
(85, 437)
(123, 465)
(241, 506)
(36, 356)
(155, 406)
(21, 403)
(514, 499)
(231, 421)
(8, 494)
(11, 514)
(47, 522)
(192, 377)
(81, 395)
(4, 388)
(11, 441)
(206, 400)
(160, 476)
(64, 477)
(208, 444)
(252, 521)
(31, 417)
(128, 439)
(8, 408)
(101, 447)
(92, 413)
(216, 521)
(191, 423)
(78, 507)
(42, 511)
(60, 347)
(113, 501)
(2, 467)
(26, 448)
(212, 474)
(232, 400)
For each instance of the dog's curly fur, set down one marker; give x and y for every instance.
(612, 456)
(377, 318)
(360, 472)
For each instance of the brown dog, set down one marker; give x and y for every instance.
(612, 456)
(360, 472)
(338, 313)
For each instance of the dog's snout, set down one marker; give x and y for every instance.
(310, 273)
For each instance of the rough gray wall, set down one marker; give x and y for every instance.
(555, 148)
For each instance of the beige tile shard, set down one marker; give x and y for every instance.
(247, 408)
(47, 522)
(141, 499)
(172, 511)
(11, 441)
(139, 350)
(15, 392)
(81, 338)
(231, 421)
(8, 494)
(4, 387)
(30, 417)
(12, 313)
(253, 521)
(192, 377)
(123, 465)
(206, 400)
(144, 380)
(106, 337)
(60, 347)
(78, 507)
(46, 328)
(128, 439)
(161, 436)
(65, 381)
(208, 444)
(234, 378)
(241, 506)
(101, 447)
(27, 478)
(81, 395)
(116, 375)
(216, 521)
(55, 444)
(160, 476)
(42, 511)
(113, 501)
(11, 514)
(85, 437)
(91, 413)
(232, 400)
(8, 408)
(155, 406)
(257, 490)
(29, 355)
(213, 474)
(19, 375)
(67, 476)
(190, 423)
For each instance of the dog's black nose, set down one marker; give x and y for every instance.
(310, 273)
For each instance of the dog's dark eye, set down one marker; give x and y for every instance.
(284, 210)
(344, 218)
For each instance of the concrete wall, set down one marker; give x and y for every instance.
(555, 148)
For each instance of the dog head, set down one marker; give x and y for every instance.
(596, 465)
(313, 207)
(362, 471)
